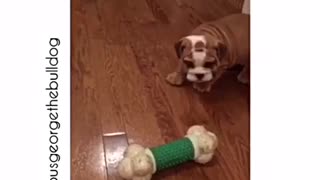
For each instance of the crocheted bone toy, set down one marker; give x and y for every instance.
(140, 163)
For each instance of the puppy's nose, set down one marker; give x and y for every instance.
(199, 76)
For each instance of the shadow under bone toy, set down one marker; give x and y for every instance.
(140, 163)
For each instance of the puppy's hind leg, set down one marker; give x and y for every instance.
(244, 75)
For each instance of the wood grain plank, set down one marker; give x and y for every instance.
(86, 148)
(136, 113)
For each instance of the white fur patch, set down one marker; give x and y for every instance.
(198, 70)
(191, 75)
(193, 78)
(195, 38)
(198, 58)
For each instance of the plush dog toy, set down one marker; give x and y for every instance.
(210, 49)
(141, 163)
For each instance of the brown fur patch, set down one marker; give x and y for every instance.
(199, 45)
(184, 48)
(215, 48)
(189, 56)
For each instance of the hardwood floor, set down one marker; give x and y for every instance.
(122, 51)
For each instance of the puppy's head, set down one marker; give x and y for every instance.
(201, 56)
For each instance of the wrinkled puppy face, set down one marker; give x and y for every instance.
(200, 56)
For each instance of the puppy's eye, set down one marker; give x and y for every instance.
(199, 50)
(189, 64)
(209, 64)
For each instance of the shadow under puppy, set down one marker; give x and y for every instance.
(212, 48)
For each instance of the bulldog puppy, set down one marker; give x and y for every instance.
(210, 49)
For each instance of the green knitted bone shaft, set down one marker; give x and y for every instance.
(173, 154)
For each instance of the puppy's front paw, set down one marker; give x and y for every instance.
(175, 79)
(202, 87)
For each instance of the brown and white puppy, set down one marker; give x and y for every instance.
(212, 48)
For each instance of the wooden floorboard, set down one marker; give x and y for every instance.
(86, 147)
(121, 53)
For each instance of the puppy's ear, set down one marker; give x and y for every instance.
(221, 49)
(179, 48)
